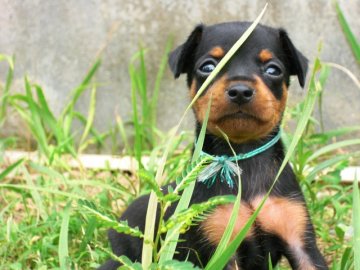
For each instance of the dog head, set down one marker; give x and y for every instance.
(249, 94)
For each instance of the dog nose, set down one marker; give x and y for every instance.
(240, 94)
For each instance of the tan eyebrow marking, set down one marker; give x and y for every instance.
(265, 55)
(217, 52)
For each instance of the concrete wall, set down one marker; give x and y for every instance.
(55, 43)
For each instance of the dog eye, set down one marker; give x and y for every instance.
(273, 70)
(207, 67)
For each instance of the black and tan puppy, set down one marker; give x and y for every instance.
(248, 100)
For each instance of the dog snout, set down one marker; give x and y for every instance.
(240, 94)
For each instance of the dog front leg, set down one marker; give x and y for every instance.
(288, 219)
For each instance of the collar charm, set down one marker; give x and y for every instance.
(225, 167)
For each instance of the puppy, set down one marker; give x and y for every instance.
(248, 100)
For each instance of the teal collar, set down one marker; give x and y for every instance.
(226, 167)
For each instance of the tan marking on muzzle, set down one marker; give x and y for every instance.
(251, 121)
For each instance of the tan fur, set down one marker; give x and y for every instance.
(302, 258)
(217, 52)
(192, 91)
(265, 55)
(279, 216)
(282, 217)
(215, 224)
(286, 219)
(233, 266)
(263, 112)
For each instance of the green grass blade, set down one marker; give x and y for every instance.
(69, 108)
(327, 164)
(331, 147)
(123, 134)
(120, 226)
(309, 103)
(346, 260)
(35, 120)
(356, 222)
(35, 195)
(354, 44)
(147, 251)
(138, 129)
(172, 235)
(59, 149)
(99, 184)
(66, 116)
(325, 72)
(48, 117)
(201, 138)
(220, 262)
(23, 113)
(234, 214)
(31, 116)
(159, 77)
(66, 122)
(339, 131)
(5, 94)
(44, 104)
(197, 210)
(89, 232)
(270, 262)
(91, 72)
(50, 190)
(8, 59)
(63, 248)
(98, 137)
(90, 119)
(46, 170)
(10, 168)
(142, 78)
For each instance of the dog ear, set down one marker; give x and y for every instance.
(298, 63)
(180, 59)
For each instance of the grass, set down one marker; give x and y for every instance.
(353, 42)
(56, 217)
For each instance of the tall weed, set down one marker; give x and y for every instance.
(54, 135)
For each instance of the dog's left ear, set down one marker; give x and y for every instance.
(180, 59)
(298, 63)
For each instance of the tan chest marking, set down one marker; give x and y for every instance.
(282, 217)
(287, 219)
(215, 224)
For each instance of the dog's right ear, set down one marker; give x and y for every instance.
(298, 62)
(180, 59)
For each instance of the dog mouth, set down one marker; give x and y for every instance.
(239, 115)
